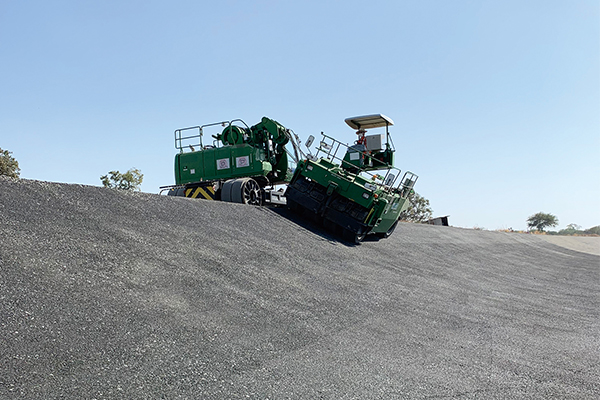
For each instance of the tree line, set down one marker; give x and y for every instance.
(130, 180)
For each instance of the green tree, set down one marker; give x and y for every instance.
(418, 210)
(8, 165)
(571, 229)
(595, 230)
(130, 180)
(541, 220)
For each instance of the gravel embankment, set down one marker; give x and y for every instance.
(584, 244)
(115, 295)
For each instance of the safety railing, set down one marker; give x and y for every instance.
(190, 139)
(329, 148)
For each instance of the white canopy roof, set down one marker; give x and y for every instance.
(369, 121)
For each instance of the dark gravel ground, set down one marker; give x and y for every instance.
(117, 295)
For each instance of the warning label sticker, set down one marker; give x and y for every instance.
(223, 163)
(241, 162)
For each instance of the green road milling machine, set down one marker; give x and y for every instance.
(241, 164)
(356, 195)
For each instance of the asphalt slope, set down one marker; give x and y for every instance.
(107, 294)
(584, 244)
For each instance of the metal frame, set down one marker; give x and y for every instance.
(373, 121)
(179, 139)
(331, 155)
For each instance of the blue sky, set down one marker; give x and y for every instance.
(496, 104)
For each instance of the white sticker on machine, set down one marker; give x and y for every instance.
(223, 163)
(241, 162)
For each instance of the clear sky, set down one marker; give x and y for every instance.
(496, 104)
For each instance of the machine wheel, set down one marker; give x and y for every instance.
(385, 235)
(353, 237)
(246, 191)
(226, 190)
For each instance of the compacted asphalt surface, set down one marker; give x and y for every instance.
(117, 295)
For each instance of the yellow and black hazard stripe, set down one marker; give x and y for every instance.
(200, 192)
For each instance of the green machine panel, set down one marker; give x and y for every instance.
(220, 163)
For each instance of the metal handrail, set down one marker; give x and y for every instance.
(179, 139)
(387, 188)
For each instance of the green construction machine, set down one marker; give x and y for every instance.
(241, 164)
(357, 193)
